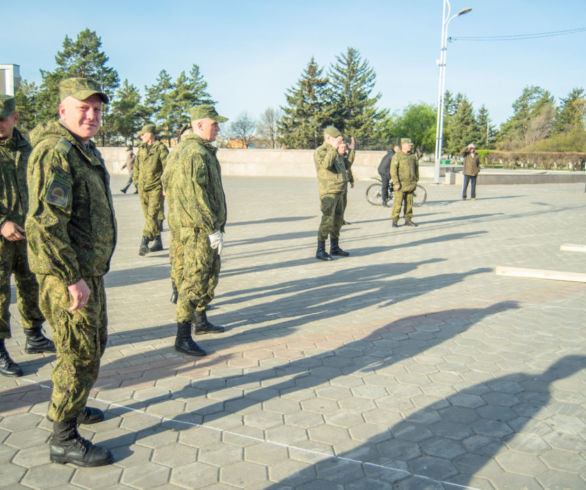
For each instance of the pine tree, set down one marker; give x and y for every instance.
(352, 82)
(486, 129)
(307, 111)
(463, 128)
(572, 112)
(126, 112)
(27, 105)
(80, 58)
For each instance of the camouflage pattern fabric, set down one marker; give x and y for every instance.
(405, 172)
(331, 170)
(148, 168)
(70, 224)
(80, 339)
(332, 210)
(197, 208)
(71, 235)
(348, 161)
(14, 154)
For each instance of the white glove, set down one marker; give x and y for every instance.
(216, 241)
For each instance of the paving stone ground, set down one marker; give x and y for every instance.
(408, 365)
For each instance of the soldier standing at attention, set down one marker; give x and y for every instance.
(197, 216)
(14, 154)
(404, 174)
(148, 169)
(332, 180)
(471, 170)
(71, 234)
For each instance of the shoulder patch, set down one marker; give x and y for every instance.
(63, 146)
(59, 190)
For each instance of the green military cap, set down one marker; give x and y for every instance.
(7, 105)
(148, 128)
(406, 140)
(332, 131)
(80, 89)
(205, 111)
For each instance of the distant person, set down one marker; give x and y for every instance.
(14, 155)
(471, 170)
(384, 170)
(129, 164)
(148, 169)
(332, 179)
(347, 150)
(404, 174)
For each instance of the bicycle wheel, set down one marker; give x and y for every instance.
(419, 196)
(374, 195)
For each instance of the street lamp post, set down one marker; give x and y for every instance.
(446, 19)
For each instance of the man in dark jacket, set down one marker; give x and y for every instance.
(471, 170)
(384, 170)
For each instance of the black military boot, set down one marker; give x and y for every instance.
(184, 343)
(202, 325)
(321, 253)
(7, 366)
(144, 246)
(36, 342)
(409, 223)
(335, 248)
(174, 293)
(67, 446)
(157, 245)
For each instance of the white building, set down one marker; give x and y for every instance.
(9, 79)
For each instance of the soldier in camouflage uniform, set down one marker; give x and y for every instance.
(332, 181)
(148, 168)
(14, 154)
(404, 174)
(71, 234)
(197, 216)
(349, 153)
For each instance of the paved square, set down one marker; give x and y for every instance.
(409, 364)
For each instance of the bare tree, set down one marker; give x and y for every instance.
(267, 128)
(243, 129)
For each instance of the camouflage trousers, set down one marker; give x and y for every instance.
(197, 267)
(13, 261)
(176, 249)
(400, 198)
(152, 204)
(332, 210)
(80, 339)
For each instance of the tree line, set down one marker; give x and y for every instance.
(343, 95)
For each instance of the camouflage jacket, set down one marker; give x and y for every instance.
(331, 170)
(348, 161)
(70, 225)
(405, 171)
(14, 154)
(149, 165)
(194, 187)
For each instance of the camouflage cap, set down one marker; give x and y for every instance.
(332, 131)
(148, 128)
(406, 141)
(80, 89)
(204, 112)
(7, 106)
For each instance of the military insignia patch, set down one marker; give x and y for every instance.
(58, 191)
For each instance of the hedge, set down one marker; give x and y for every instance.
(543, 160)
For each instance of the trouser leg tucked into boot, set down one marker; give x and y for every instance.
(36, 342)
(321, 253)
(89, 415)
(202, 325)
(157, 245)
(335, 248)
(67, 446)
(174, 293)
(184, 343)
(144, 246)
(7, 366)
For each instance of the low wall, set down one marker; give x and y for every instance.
(299, 163)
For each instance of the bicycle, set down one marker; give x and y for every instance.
(374, 194)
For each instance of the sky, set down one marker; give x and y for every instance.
(251, 51)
